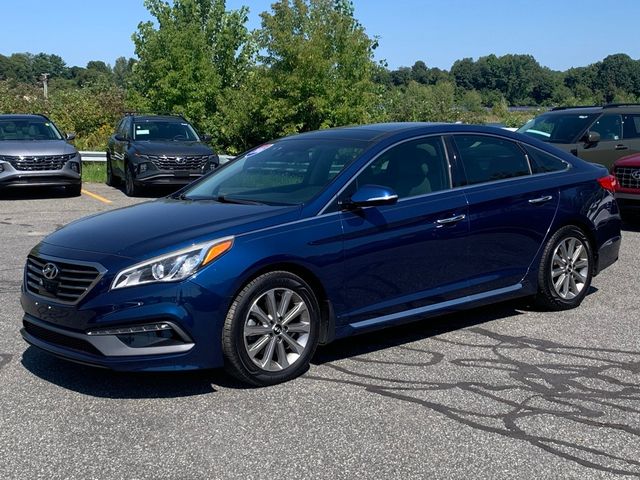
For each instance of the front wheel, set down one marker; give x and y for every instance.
(566, 270)
(111, 180)
(271, 330)
(130, 188)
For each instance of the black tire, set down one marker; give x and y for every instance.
(283, 362)
(130, 188)
(563, 282)
(111, 180)
(74, 190)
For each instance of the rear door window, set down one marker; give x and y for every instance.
(487, 159)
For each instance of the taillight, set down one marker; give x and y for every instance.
(608, 183)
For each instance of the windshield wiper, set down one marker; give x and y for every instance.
(239, 201)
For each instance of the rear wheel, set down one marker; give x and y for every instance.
(566, 270)
(271, 330)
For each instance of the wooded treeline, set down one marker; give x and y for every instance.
(310, 65)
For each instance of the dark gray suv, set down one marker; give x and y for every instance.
(33, 152)
(595, 134)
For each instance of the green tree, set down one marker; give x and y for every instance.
(197, 50)
(318, 67)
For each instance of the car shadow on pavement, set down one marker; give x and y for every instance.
(33, 193)
(105, 383)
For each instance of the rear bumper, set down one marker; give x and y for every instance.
(608, 254)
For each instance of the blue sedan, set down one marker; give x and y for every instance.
(320, 236)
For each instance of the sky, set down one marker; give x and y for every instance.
(559, 33)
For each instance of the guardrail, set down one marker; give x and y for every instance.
(102, 157)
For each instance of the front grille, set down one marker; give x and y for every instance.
(189, 162)
(625, 177)
(56, 338)
(71, 283)
(39, 162)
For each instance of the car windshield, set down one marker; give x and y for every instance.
(289, 172)
(167, 131)
(558, 128)
(28, 129)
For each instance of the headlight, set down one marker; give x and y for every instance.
(174, 266)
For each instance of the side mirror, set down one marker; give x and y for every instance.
(70, 136)
(120, 138)
(206, 138)
(591, 137)
(371, 196)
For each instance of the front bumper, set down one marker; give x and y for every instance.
(66, 176)
(91, 332)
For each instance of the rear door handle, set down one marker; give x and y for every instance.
(539, 200)
(451, 220)
(621, 147)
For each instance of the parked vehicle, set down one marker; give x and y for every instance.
(34, 153)
(595, 134)
(157, 150)
(320, 236)
(627, 172)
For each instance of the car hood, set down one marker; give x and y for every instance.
(35, 147)
(628, 161)
(172, 148)
(153, 228)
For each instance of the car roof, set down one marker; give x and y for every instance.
(158, 118)
(594, 109)
(23, 116)
(378, 131)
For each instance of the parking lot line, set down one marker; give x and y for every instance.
(96, 196)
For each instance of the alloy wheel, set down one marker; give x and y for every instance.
(276, 329)
(569, 268)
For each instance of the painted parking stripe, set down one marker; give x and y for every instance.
(96, 196)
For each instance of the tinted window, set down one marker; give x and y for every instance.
(543, 162)
(631, 126)
(557, 127)
(609, 127)
(412, 168)
(486, 158)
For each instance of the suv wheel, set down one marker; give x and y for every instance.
(111, 180)
(271, 330)
(566, 270)
(130, 188)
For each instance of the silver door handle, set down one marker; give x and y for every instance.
(450, 220)
(536, 201)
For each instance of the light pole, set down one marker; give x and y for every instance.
(45, 87)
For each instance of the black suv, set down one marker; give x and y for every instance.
(595, 134)
(157, 150)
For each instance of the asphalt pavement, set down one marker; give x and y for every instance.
(501, 392)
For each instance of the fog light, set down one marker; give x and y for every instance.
(143, 167)
(154, 327)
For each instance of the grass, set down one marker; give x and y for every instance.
(94, 172)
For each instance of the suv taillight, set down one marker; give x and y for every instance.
(608, 183)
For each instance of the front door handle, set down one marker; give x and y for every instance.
(451, 220)
(539, 200)
(621, 147)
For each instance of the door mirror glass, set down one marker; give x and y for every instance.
(591, 137)
(120, 138)
(70, 136)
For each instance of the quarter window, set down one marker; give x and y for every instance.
(631, 124)
(412, 168)
(543, 162)
(487, 159)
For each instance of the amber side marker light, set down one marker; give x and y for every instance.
(217, 250)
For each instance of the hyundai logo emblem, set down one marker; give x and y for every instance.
(50, 271)
(179, 160)
(636, 174)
